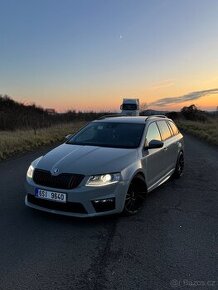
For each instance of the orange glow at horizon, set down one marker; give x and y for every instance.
(109, 97)
(209, 102)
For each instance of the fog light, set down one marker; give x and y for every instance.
(104, 204)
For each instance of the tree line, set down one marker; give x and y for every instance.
(192, 113)
(15, 115)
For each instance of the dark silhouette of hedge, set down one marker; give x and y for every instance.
(15, 115)
(194, 114)
(173, 115)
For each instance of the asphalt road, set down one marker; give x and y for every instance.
(172, 243)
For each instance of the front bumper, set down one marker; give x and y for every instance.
(80, 201)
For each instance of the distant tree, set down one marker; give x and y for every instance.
(193, 113)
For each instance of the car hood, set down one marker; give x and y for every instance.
(87, 160)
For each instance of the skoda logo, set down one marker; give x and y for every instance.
(55, 171)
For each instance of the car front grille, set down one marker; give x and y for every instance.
(74, 207)
(63, 180)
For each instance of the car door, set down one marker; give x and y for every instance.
(169, 145)
(152, 159)
(176, 142)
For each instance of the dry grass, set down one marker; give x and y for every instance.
(207, 131)
(12, 142)
(24, 140)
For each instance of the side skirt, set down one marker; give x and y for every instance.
(161, 180)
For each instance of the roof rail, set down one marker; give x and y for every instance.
(111, 116)
(160, 116)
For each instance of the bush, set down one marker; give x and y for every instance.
(194, 114)
(15, 115)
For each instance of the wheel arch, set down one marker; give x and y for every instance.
(139, 177)
(139, 181)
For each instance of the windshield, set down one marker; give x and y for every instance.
(129, 107)
(115, 135)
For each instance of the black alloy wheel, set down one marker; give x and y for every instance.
(135, 196)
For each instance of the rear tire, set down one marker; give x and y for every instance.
(135, 196)
(179, 166)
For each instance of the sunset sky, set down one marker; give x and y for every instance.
(89, 54)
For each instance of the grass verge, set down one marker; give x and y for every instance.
(12, 142)
(207, 131)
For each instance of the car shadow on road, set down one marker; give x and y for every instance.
(76, 221)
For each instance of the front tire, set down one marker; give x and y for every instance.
(135, 196)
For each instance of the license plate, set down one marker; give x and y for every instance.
(50, 195)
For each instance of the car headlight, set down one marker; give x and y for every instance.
(33, 165)
(104, 179)
(30, 171)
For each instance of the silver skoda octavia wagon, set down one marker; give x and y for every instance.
(108, 167)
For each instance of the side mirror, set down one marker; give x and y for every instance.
(155, 144)
(121, 107)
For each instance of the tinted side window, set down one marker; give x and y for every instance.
(174, 128)
(164, 130)
(152, 133)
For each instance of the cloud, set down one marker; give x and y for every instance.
(184, 98)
